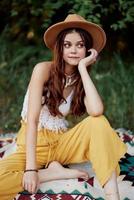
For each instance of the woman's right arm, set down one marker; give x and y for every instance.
(39, 76)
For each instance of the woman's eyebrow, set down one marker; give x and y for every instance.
(67, 41)
(71, 41)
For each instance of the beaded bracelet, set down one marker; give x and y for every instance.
(30, 170)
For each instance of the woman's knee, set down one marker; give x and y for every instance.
(97, 121)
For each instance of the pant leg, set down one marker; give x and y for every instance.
(11, 173)
(12, 167)
(92, 139)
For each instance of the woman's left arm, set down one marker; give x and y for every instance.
(92, 100)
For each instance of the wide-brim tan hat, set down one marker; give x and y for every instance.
(76, 21)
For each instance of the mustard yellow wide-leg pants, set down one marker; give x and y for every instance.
(93, 139)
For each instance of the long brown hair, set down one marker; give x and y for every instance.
(53, 88)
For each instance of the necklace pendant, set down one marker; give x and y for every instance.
(69, 81)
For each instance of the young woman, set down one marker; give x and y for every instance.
(57, 88)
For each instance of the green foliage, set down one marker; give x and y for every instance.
(27, 19)
(126, 10)
(114, 78)
(91, 10)
(16, 65)
(117, 15)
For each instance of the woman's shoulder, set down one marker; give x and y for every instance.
(42, 69)
(41, 73)
(43, 66)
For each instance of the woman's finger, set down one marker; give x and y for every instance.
(34, 187)
(26, 186)
(29, 187)
(94, 52)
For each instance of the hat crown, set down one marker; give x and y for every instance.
(74, 17)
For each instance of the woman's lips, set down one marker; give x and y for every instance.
(72, 57)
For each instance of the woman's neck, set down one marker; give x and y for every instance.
(69, 69)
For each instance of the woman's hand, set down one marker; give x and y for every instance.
(89, 59)
(30, 181)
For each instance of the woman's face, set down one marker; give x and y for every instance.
(73, 49)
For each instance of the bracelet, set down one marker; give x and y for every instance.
(30, 170)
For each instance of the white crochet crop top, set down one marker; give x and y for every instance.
(46, 120)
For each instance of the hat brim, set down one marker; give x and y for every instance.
(97, 33)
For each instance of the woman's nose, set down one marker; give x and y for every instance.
(73, 49)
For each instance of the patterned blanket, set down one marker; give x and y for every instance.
(76, 188)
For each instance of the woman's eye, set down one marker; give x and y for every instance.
(66, 45)
(81, 45)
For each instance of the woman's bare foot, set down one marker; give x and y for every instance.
(111, 196)
(56, 171)
(111, 188)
